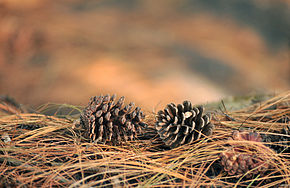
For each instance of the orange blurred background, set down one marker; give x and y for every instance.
(152, 52)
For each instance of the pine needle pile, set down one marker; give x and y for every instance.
(50, 151)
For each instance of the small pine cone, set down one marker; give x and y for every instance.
(281, 140)
(239, 159)
(106, 120)
(182, 124)
(249, 136)
(236, 163)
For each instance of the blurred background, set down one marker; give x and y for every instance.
(152, 52)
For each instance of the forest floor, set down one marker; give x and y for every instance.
(40, 150)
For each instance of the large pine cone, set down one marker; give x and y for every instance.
(108, 121)
(241, 158)
(279, 141)
(182, 124)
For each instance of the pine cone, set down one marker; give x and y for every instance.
(279, 142)
(108, 121)
(240, 159)
(182, 124)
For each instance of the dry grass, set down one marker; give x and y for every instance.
(48, 151)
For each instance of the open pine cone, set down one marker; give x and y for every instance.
(106, 120)
(241, 158)
(182, 124)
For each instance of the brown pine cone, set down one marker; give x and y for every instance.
(240, 159)
(182, 124)
(106, 120)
